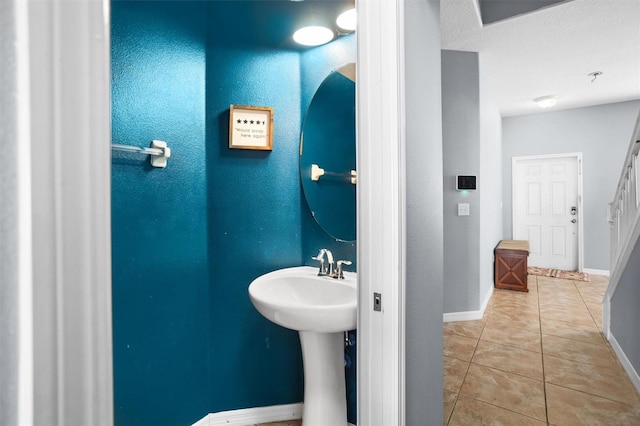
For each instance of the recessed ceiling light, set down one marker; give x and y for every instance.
(546, 101)
(313, 36)
(347, 20)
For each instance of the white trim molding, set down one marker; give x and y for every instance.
(381, 212)
(69, 77)
(469, 315)
(251, 416)
(624, 361)
(602, 272)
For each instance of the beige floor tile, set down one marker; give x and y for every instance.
(454, 372)
(513, 293)
(517, 338)
(598, 279)
(576, 350)
(509, 300)
(471, 412)
(515, 296)
(509, 359)
(449, 399)
(283, 423)
(597, 318)
(611, 383)
(565, 304)
(459, 347)
(551, 297)
(579, 318)
(512, 321)
(591, 287)
(568, 407)
(584, 333)
(555, 283)
(506, 390)
(594, 308)
(465, 328)
(585, 384)
(592, 296)
(516, 309)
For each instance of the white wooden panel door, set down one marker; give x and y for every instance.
(545, 210)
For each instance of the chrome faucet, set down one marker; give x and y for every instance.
(327, 268)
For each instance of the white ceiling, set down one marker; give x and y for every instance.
(551, 52)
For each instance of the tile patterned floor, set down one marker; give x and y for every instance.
(537, 358)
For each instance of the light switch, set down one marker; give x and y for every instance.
(463, 209)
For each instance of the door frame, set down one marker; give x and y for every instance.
(578, 157)
(69, 49)
(381, 212)
(71, 360)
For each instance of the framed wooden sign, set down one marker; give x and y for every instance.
(250, 127)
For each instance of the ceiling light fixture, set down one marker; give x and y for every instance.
(347, 20)
(313, 35)
(546, 101)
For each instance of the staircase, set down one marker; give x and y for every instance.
(624, 222)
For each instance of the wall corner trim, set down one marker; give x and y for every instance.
(626, 364)
(249, 416)
(468, 315)
(596, 271)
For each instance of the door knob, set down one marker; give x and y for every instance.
(573, 220)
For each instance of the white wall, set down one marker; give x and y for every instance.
(602, 134)
(491, 181)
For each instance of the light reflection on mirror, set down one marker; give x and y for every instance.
(329, 141)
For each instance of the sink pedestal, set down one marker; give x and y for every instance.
(325, 395)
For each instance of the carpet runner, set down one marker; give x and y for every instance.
(557, 273)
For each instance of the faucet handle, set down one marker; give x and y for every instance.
(339, 264)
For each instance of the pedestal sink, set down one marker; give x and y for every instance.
(320, 309)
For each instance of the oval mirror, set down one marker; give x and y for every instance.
(328, 154)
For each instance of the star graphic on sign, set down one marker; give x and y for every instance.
(252, 122)
(245, 121)
(239, 121)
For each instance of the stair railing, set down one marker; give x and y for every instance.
(624, 218)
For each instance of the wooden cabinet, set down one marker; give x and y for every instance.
(511, 265)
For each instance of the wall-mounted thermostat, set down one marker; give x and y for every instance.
(466, 183)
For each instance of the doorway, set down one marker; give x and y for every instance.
(547, 209)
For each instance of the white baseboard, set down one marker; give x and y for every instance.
(468, 315)
(626, 364)
(596, 271)
(252, 416)
(462, 316)
(486, 300)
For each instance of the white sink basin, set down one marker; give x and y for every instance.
(320, 309)
(298, 299)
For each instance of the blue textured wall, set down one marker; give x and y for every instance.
(160, 244)
(255, 209)
(189, 239)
